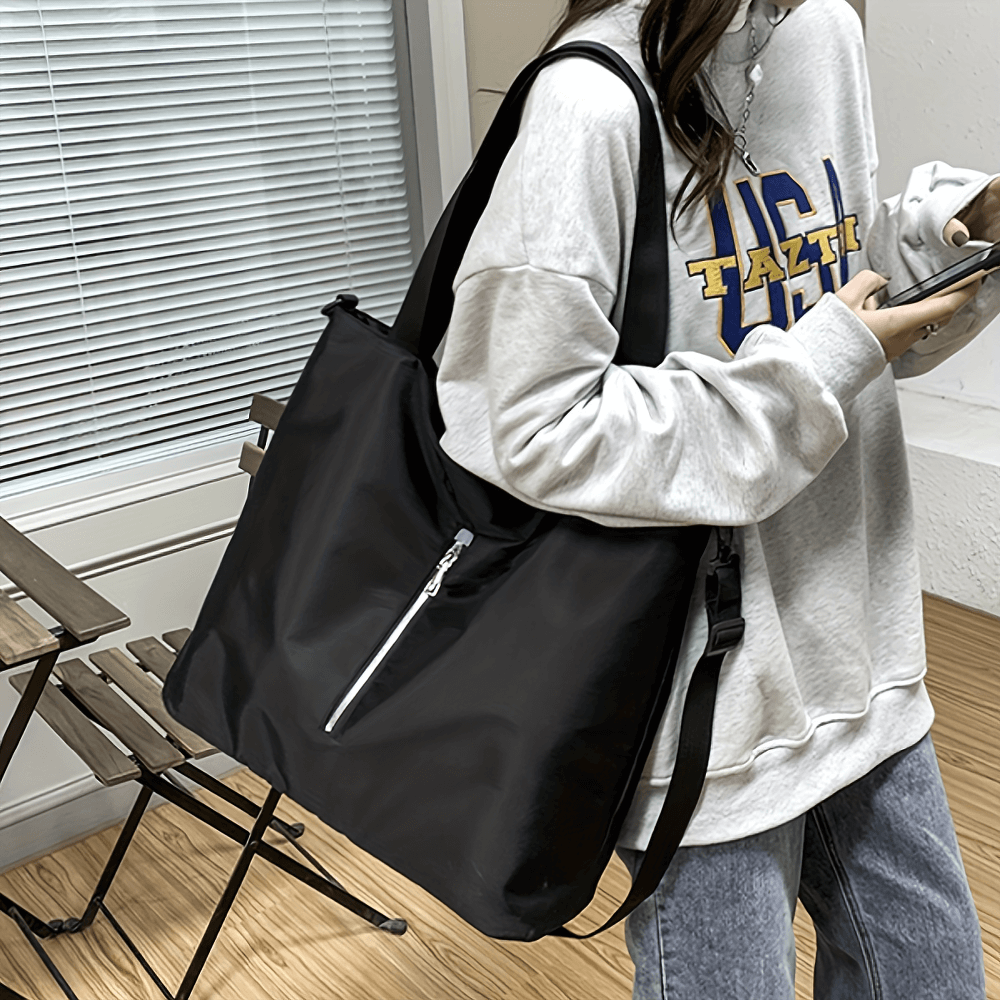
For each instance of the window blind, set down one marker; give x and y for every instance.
(182, 187)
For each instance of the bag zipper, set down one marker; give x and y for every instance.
(462, 541)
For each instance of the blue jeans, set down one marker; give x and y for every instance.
(877, 867)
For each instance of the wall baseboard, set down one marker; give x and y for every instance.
(57, 817)
(973, 615)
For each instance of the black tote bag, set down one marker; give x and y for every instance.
(463, 685)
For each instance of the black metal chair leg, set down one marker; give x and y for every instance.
(290, 831)
(74, 926)
(299, 871)
(31, 926)
(26, 705)
(132, 947)
(253, 845)
(250, 848)
(40, 928)
(195, 807)
(15, 914)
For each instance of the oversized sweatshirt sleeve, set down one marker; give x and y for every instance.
(906, 244)
(528, 389)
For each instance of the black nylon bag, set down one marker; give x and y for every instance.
(493, 700)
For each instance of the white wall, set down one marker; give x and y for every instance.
(448, 53)
(502, 36)
(935, 72)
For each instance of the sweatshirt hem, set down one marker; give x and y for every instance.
(785, 783)
(795, 743)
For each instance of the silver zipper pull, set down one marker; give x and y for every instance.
(462, 540)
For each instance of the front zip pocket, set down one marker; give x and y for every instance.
(462, 541)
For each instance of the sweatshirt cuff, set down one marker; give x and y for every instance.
(846, 354)
(936, 213)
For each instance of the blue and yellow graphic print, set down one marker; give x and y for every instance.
(777, 265)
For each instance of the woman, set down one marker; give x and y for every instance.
(774, 411)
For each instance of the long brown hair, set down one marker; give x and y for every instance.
(676, 37)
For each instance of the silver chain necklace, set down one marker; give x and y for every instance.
(754, 75)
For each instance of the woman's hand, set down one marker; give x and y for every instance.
(979, 221)
(900, 328)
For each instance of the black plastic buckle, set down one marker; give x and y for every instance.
(724, 555)
(725, 636)
(348, 302)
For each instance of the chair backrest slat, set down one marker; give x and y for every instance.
(266, 411)
(78, 608)
(250, 458)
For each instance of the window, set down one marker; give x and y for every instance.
(183, 186)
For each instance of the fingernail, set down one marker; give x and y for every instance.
(955, 233)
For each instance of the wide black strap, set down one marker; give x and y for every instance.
(426, 311)
(726, 627)
(423, 321)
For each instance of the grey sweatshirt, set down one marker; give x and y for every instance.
(774, 410)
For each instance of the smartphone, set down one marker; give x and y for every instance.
(951, 279)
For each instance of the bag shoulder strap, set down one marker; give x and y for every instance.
(426, 310)
(725, 632)
(421, 325)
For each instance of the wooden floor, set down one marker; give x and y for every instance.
(282, 941)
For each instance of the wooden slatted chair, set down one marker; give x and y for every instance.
(83, 616)
(160, 749)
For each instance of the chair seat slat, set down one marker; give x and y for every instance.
(22, 639)
(115, 715)
(109, 764)
(117, 667)
(152, 656)
(176, 638)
